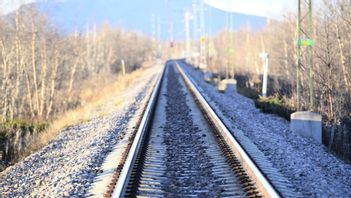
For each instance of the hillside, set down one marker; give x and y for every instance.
(74, 14)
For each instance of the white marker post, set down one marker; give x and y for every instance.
(265, 58)
(123, 65)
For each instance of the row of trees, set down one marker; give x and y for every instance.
(237, 53)
(40, 68)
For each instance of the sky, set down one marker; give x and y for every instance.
(7, 6)
(137, 15)
(266, 8)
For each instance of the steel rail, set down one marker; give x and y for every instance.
(123, 180)
(263, 185)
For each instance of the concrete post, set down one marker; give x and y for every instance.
(227, 85)
(307, 124)
(123, 67)
(265, 57)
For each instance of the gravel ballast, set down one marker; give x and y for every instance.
(308, 166)
(67, 166)
(183, 158)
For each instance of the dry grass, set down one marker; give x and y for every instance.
(92, 97)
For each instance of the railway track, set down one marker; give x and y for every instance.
(182, 149)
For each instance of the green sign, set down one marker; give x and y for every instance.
(210, 47)
(230, 50)
(306, 42)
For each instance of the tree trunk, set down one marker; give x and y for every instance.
(18, 66)
(29, 96)
(345, 73)
(71, 81)
(53, 85)
(286, 60)
(35, 81)
(5, 84)
(43, 80)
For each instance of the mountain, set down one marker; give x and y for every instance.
(137, 15)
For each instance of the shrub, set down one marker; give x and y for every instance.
(23, 125)
(274, 105)
(15, 136)
(247, 92)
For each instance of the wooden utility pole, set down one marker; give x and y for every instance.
(298, 92)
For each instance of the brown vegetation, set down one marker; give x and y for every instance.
(332, 67)
(44, 73)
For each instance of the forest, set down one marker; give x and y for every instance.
(331, 68)
(45, 72)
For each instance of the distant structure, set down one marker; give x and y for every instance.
(187, 18)
(195, 49)
(203, 39)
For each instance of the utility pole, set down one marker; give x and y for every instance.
(187, 17)
(170, 30)
(195, 32)
(88, 47)
(231, 50)
(153, 40)
(171, 38)
(310, 54)
(158, 29)
(203, 62)
(228, 48)
(210, 47)
(158, 36)
(195, 28)
(305, 44)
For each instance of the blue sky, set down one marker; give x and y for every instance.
(267, 8)
(137, 14)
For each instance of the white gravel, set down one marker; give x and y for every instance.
(310, 167)
(66, 167)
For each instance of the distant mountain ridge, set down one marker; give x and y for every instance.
(137, 15)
